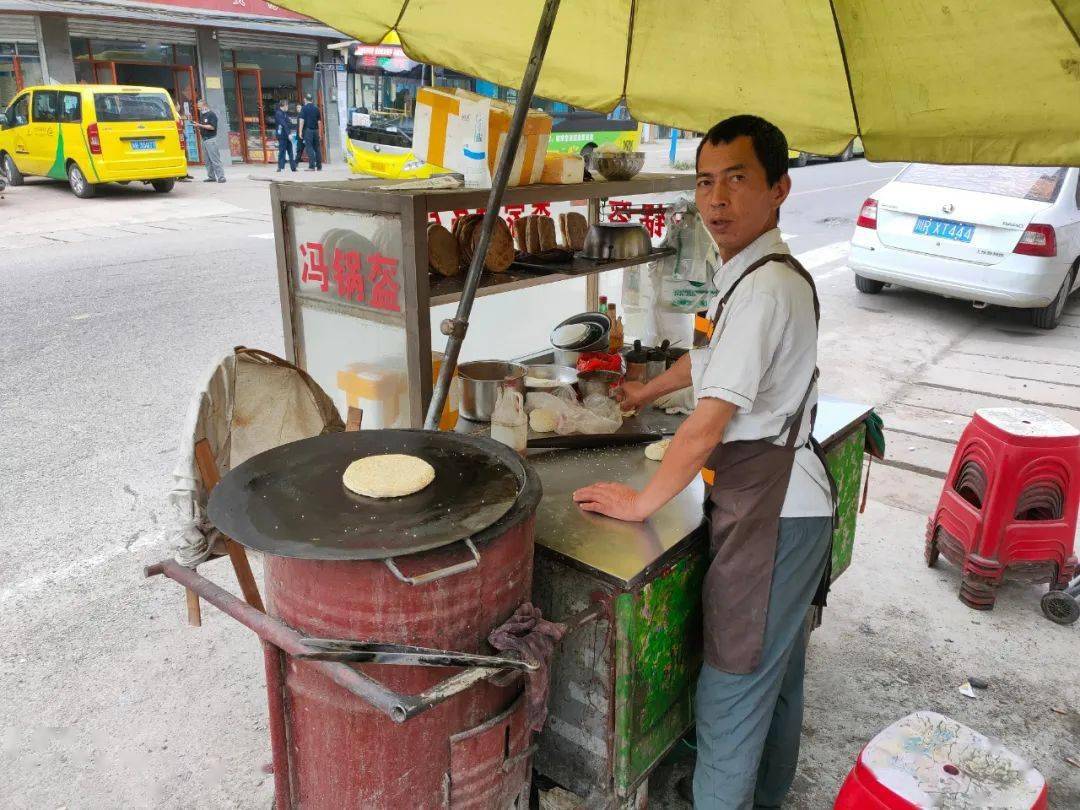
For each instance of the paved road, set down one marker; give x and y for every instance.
(109, 322)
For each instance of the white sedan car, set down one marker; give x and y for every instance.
(1004, 235)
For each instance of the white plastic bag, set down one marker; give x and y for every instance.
(509, 424)
(684, 282)
(573, 418)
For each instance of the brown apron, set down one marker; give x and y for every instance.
(748, 481)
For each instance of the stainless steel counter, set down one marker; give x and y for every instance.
(623, 553)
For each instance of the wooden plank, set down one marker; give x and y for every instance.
(964, 404)
(1031, 393)
(208, 471)
(1033, 354)
(1016, 369)
(912, 419)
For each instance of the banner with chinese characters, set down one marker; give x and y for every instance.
(347, 258)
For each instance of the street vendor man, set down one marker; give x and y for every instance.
(769, 503)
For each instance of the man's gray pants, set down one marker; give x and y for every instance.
(214, 169)
(748, 726)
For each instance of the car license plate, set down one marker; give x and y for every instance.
(944, 229)
(144, 145)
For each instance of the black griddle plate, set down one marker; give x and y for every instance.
(290, 501)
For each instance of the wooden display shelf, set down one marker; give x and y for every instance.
(445, 290)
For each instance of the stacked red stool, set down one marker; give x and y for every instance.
(928, 760)
(1009, 503)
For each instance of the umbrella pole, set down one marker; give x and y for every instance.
(456, 327)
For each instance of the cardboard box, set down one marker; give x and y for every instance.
(456, 129)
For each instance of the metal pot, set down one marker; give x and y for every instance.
(481, 381)
(616, 241)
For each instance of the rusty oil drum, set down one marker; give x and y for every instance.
(471, 751)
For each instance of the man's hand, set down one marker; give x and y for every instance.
(614, 500)
(632, 396)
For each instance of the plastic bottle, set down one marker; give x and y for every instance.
(603, 305)
(509, 424)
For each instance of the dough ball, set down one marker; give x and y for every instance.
(656, 450)
(542, 421)
(392, 475)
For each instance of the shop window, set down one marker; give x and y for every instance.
(70, 108)
(119, 50)
(20, 67)
(45, 106)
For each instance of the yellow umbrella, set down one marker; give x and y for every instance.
(944, 81)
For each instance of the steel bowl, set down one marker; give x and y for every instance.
(597, 382)
(481, 381)
(598, 343)
(616, 241)
(616, 165)
(553, 376)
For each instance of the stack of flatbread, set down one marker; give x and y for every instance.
(535, 234)
(450, 253)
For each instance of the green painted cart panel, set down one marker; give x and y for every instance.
(845, 463)
(658, 655)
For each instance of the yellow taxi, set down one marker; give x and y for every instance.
(89, 134)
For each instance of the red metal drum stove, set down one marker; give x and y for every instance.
(352, 583)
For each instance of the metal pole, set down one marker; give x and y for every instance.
(455, 328)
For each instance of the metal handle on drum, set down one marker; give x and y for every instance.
(440, 573)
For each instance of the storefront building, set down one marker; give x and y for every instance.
(244, 56)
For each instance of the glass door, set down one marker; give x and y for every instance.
(184, 95)
(253, 125)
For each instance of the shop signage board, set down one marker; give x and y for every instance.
(247, 8)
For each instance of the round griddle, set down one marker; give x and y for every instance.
(290, 501)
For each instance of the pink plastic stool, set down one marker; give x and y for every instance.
(926, 760)
(1010, 502)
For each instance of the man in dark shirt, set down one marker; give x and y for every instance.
(208, 124)
(283, 130)
(309, 131)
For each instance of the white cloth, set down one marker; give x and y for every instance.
(251, 401)
(761, 358)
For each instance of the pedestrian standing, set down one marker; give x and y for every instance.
(208, 123)
(283, 126)
(309, 131)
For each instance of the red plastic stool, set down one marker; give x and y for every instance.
(1009, 503)
(927, 760)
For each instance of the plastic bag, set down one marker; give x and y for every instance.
(570, 417)
(684, 282)
(509, 424)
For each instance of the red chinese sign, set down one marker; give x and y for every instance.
(378, 288)
(247, 8)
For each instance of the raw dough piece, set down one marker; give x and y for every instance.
(392, 475)
(542, 382)
(542, 421)
(656, 450)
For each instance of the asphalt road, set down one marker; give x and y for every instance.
(112, 310)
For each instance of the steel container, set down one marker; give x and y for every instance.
(616, 241)
(481, 381)
(471, 750)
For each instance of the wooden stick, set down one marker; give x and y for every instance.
(204, 459)
(194, 609)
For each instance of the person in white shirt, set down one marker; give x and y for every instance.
(770, 502)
